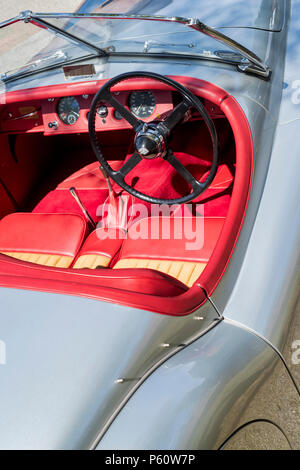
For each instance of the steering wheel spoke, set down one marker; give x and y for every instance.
(181, 169)
(130, 164)
(177, 115)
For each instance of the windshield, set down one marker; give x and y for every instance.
(258, 14)
(42, 48)
(82, 35)
(133, 35)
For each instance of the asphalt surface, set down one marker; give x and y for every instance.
(9, 54)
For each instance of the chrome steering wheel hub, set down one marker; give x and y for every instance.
(150, 142)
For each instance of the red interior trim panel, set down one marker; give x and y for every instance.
(224, 203)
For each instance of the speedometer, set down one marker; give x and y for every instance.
(68, 110)
(142, 103)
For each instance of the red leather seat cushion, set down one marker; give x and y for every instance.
(178, 238)
(53, 234)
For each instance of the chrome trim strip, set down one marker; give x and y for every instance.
(10, 21)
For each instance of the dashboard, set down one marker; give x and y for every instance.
(69, 114)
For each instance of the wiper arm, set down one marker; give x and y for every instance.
(251, 62)
(57, 56)
(30, 70)
(221, 56)
(151, 43)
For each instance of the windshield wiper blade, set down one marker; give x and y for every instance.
(29, 71)
(250, 64)
(57, 57)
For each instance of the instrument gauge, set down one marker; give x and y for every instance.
(117, 116)
(102, 111)
(68, 110)
(142, 103)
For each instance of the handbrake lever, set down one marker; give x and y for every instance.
(84, 210)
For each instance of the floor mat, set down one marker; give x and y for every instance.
(92, 190)
(90, 186)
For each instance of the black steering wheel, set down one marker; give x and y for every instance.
(151, 139)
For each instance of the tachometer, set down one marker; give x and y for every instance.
(142, 103)
(68, 110)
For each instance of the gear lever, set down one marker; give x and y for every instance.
(110, 189)
(117, 205)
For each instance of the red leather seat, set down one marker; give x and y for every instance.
(160, 255)
(100, 248)
(179, 247)
(46, 239)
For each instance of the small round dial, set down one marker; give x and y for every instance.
(117, 116)
(102, 111)
(142, 103)
(68, 110)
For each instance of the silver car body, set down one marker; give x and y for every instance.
(86, 374)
